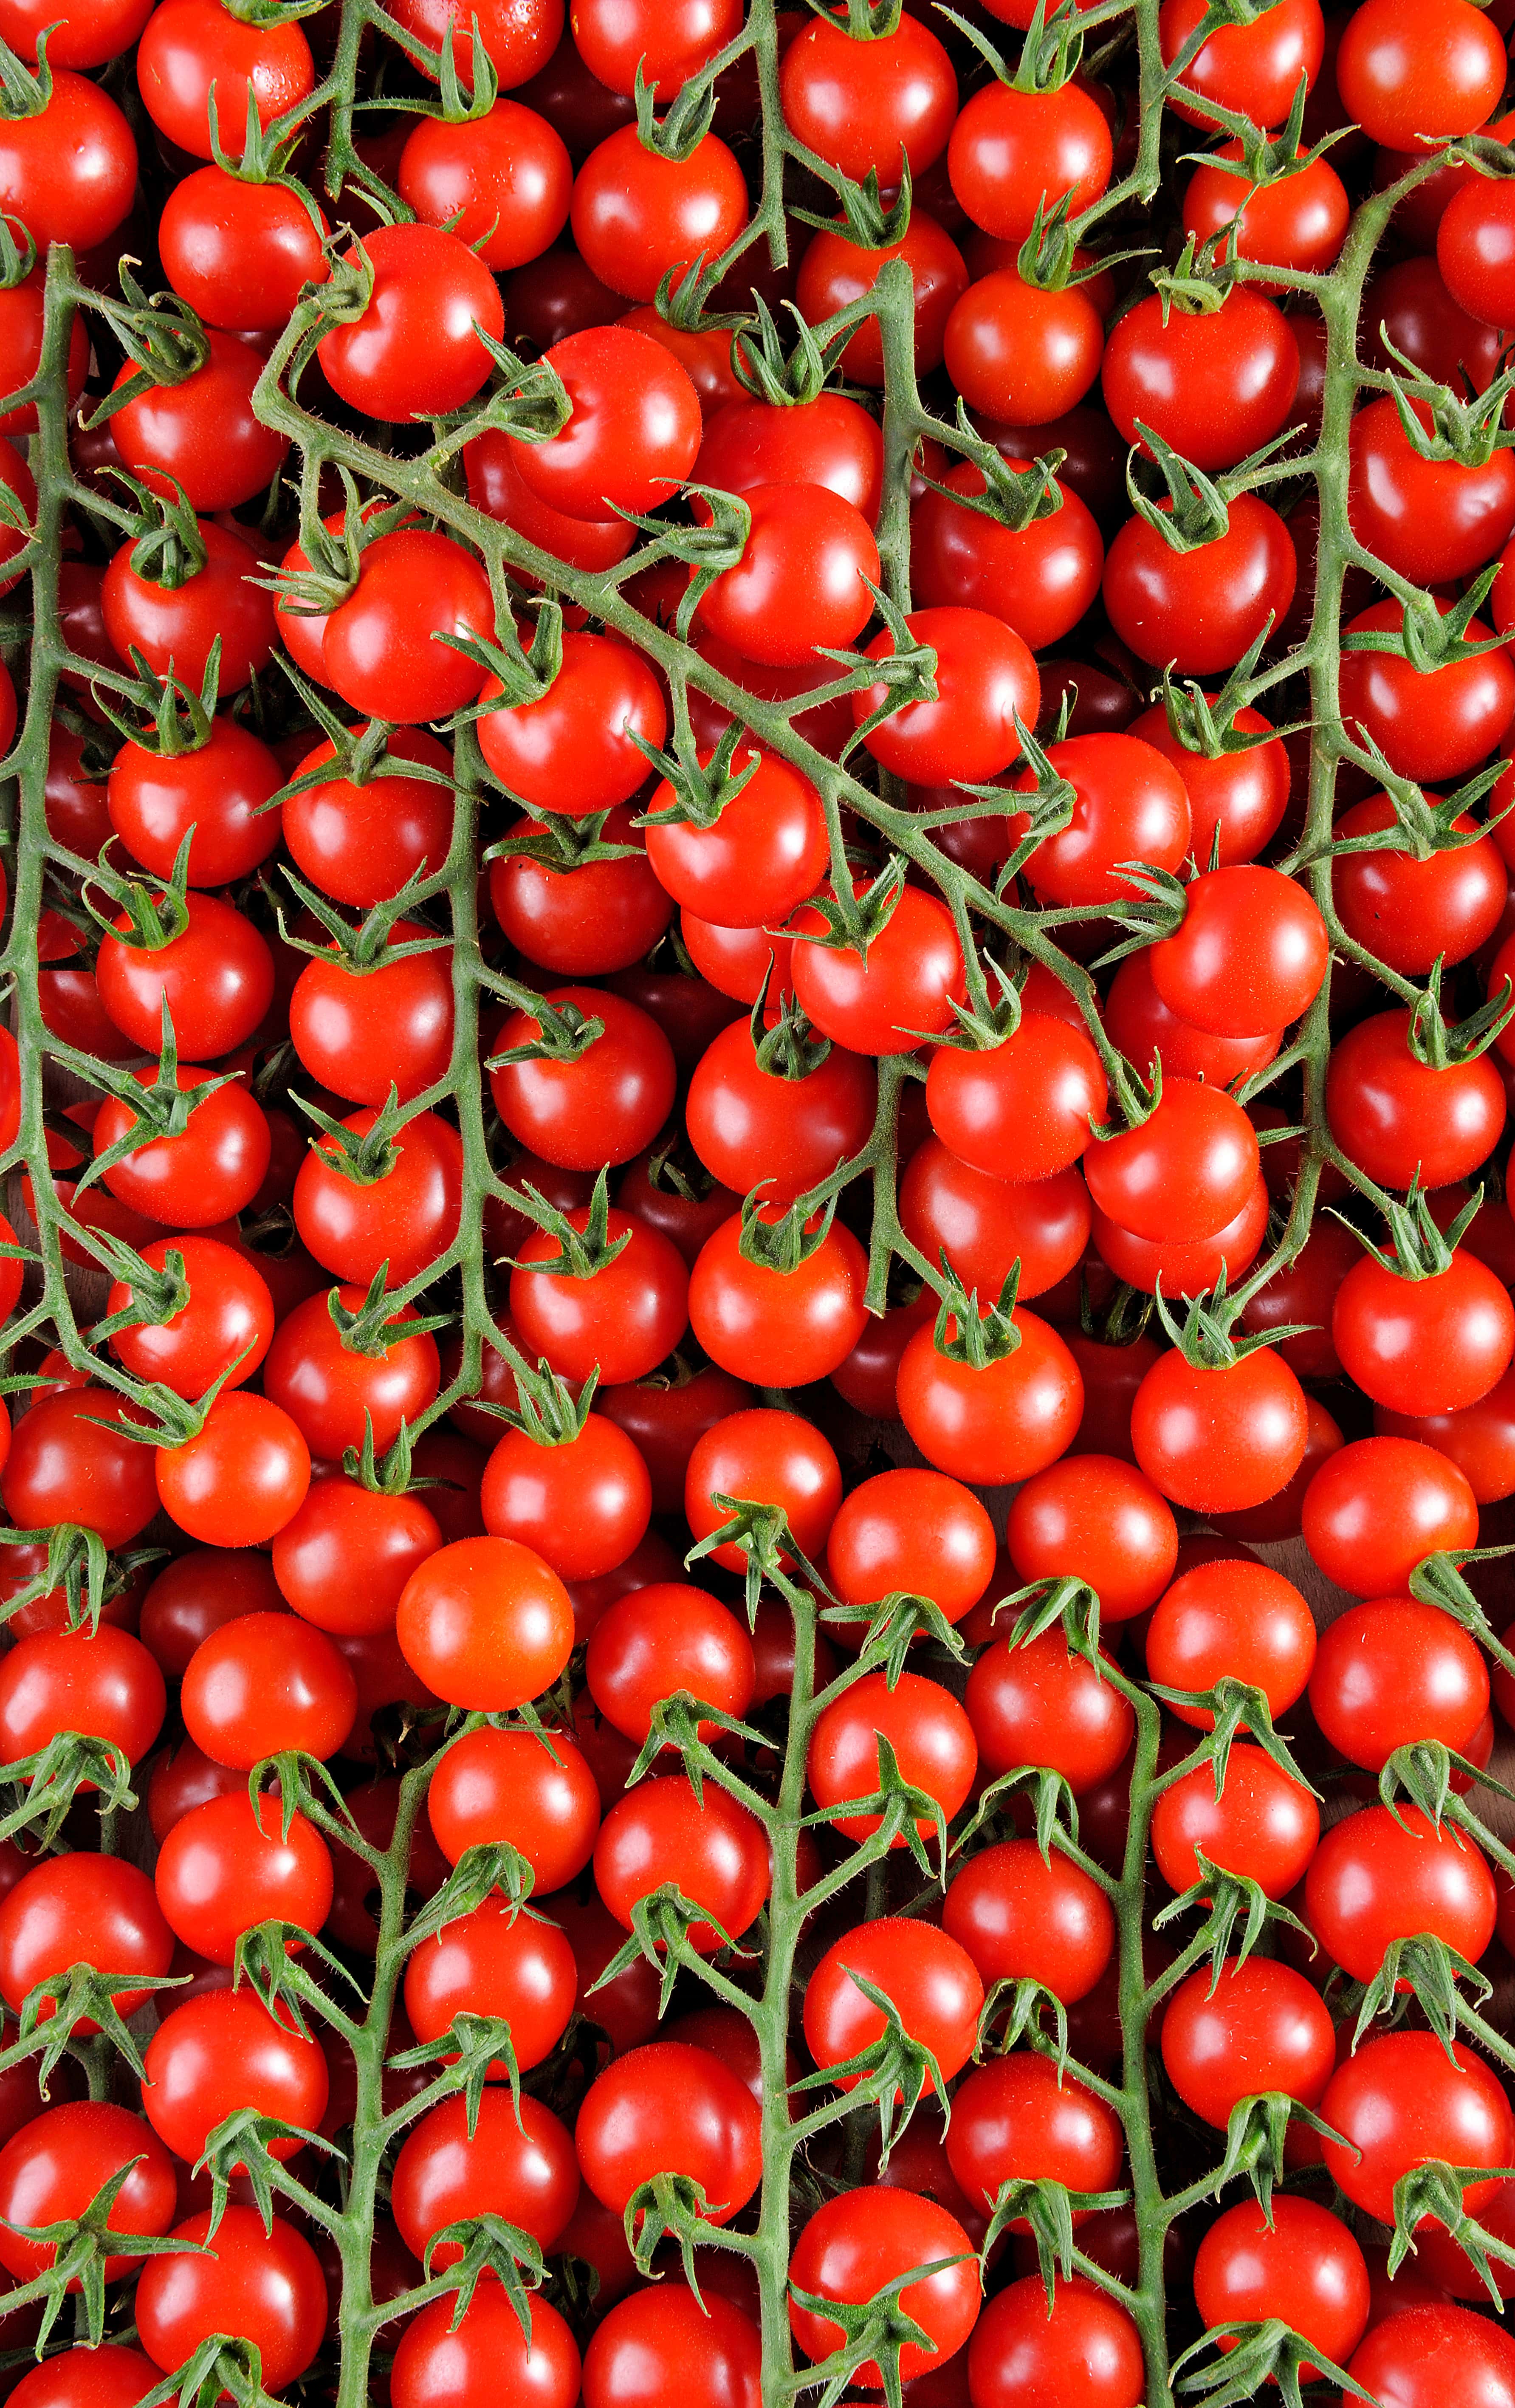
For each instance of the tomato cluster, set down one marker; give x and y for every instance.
(758, 1298)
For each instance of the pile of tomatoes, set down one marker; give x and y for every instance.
(759, 1360)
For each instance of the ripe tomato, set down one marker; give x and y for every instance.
(225, 2050)
(1095, 1519)
(1024, 357)
(782, 1328)
(581, 1507)
(485, 1624)
(637, 215)
(360, 843)
(1403, 2099)
(1215, 385)
(1429, 723)
(217, 980)
(263, 1684)
(81, 1909)
(502, 182)
(361, 1032)
(995, 1424)
(381, 649)
(1197, 611)
(1379, 1877)
(70, 1462)
(627, 1316)
(855, 2244)
(662, 2338)
(608, 1104)
(1184, 1172)
(224, 1868)
(904, 986)
(1014, 2119)
(929, 1978)
(1393, 1671)
(239, 252)
(1129, 805)
(1301, 2263)
(1027, 1104)
(633, 432)
(1436, 1344)
(671, 2108)
(265, 2287)
(911, 1533)
(1241, 1620)
(241, 1479)
(662, 1638)
(495, 1785)
(1402, 2356)
(1255, 66)
(711, 1848)
(1023, 1917)
(156, 800)
(333, 1393)
(984, 677)
(1011, 151)
(932, 1738)
(1265, 1826)
(1042, 1704)
(401, 1221)
(1249, 956)
(68, 171)
(104, 1684)
(436, 2362)
(56, 2164)
(1258, 2026)
(496, 1961)
(574, 750)
(1407, 912)
(1221, 1440)
(766, 1458)
(1407, 75)
(1084, 2346)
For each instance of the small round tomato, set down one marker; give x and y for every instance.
(661, 2338)
(494, 1961)
(265, 2287)
(985, 679)
(582, 1506)
(1381, 1877)
(445, 2361)
(660, 1639)
(1402, 1120)
(633, 432)
(1299, 2262)
(1023, 356)
(931, 1735)
(1182, 1173)
(711, 1848)
(627, 1317)
(638, 215)
(56, 2164)
(577, 748)
(1020, 2118)
(778, 1327)
(1024, 1105)
(1092, 1518)
(240, 253)
(1198, 611)
(1220, 1439)
(501, 182)
(225, 1866)
(401, 1221)
(485, 1624)
(911, 1533)
(1236, 1620)
(1392, 1671)
(605, 1103)
(856, 2245)
(195, 53)
(1022, 1917)
(1254, 66)
(1256, 2025)
(225, 2050)
(265, 1684)
(241, 1479)
(104, 1684)
(764, 1456)
(1264, 1825)
(1408, 76)
(902, 987)
(671, 2108)
(1402, 2100)
(1407, 912)
(495, 1784)
(928, 1977)
(217, 978)
(1423, 1345)
(1249, 958)
(1129, 805)
(1042, 1704)
(998, 1423)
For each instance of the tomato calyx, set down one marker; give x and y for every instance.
(584, 1251)
(156, 1296)
(1050, 51)
(179, 720)
(16, 258)
(868, 220)
(1429, 637)
(1155, 912)
(1440, 426)
(163, 339)
(1206, 724)
(850, 923)
(1418, 1249)
(1013, 496)
(560, 844)
(780, 1242)
(1438, 1580)
(366, 947)
(75, 1561)
(1207, 1339)
(685, 122)
(1436, 1046)
(701, 788)
(25, 91)
(564, 1033)
(1433, 2188)
(362, 1160)
(761, 366)
(375, 1327)
(1196, 511)
(159, 1106)
(1424, 825)
(523, 675)
(963, 1334)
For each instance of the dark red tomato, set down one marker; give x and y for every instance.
(265, 1684)
(712, 1848)
(1408, 912)
(997, 1424)
(985, 677)
(927, 1976)
(265, 2287)
(911, 1533)
(1249, 956)
(1394, 1671)
(345, 1557)
(239, 252)
(1254, 67)
(68, 170)
(1095, 1519)
(359, 844)
(1232, 1619)
(70, 1462)
(581, 923)
(107, 1685)
(216, 978)
(1434, 1344)
(57, 2164)
(1381, 1876)
(486, 1623)
(155, 799)
(330, 1391)
(1402, 2100)
(905, 986)
(194, 50)
(495, 1784)
(985, 1226)
(1411, 301)
(662, 1638)
(661, 2338)
(221, 1869)
(177, 624)
(1300, 2262)
(1479, 1440)
(779, 1329)
(1199, 610)
(604, 1106)
(928, 1730)
(765, 1458)
(829, 441)
(1408, 76)
(1015, 2120)
(1023, 1917)
(1184, 1172)
(1401, 1120)
(241, 1479)
(1474, 243)
(574, 750)
(767, 851)
(1041, 579)
(835, 271)
(204, 433)
(1023, 357)
(856, 2245)
(1218, 1441)
(667, 44)
(80, 2377)
(861, 109)
(1022, 2350)
(804, 578)
(519, 36)
(225, 2050)
(1042, 1704)
(666, 1418)
(501, 183)
(183, 1779)
(1257, 2026)
(91, 38)
(1433, 724)
(1027, 1103)
(497, 487)
(1403, 2357)
(637, 215)
(1215, 385)
(1244, 794)
(83, 1909)
(1138, 1021)
(1265, 1826)
(1012, 151)
(361, 1032)
(1433, 521)
(1129, 806)
(405, 1219)
(21, 346)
